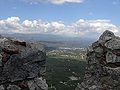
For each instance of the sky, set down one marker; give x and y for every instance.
(60, 17)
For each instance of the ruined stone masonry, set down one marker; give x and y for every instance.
(22, 65)
(103, 64)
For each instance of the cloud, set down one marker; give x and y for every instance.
(82, 27)
(65, 1)
(116, 2)
(9, 25)
(54, 1)
(93, 28)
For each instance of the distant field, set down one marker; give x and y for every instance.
(77, 54)
(63, 73)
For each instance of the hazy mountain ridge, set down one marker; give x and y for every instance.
(54, 40)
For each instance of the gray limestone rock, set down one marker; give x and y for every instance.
(21, 62)
(1, 87)
(107, 35)
(13, 87)
(103, 58)
(38, 84)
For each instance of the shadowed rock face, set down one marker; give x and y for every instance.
(103, 70)
(22, 65)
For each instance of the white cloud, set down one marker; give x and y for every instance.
(65, 1)
(116, 2)
(90, 28)
(54, 1)
(10, 25)
(93, 28)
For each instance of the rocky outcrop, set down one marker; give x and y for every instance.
(103, 64)
(22, 65)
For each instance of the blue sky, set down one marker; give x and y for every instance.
(65, 12)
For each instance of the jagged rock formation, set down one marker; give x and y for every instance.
(22, 65)
(103, 69)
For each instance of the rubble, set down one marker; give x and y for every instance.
(103, 64)
(22, 65)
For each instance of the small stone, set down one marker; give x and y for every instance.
(90, 49)
(23, 84)
(37, 84)
(99, 50)
(5, 57)
(1, 87)
(13, 87)
(41, 83)
(93, 87)
(110, 57)
(1, 60)
(113, 44)
(107, 35)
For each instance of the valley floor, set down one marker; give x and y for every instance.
(63, 73)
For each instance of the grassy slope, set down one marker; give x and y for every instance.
(59, 69)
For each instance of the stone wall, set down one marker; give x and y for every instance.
(22, 65)
(103, 64)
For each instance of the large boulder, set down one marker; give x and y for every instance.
(103, 69)
(22, 65)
